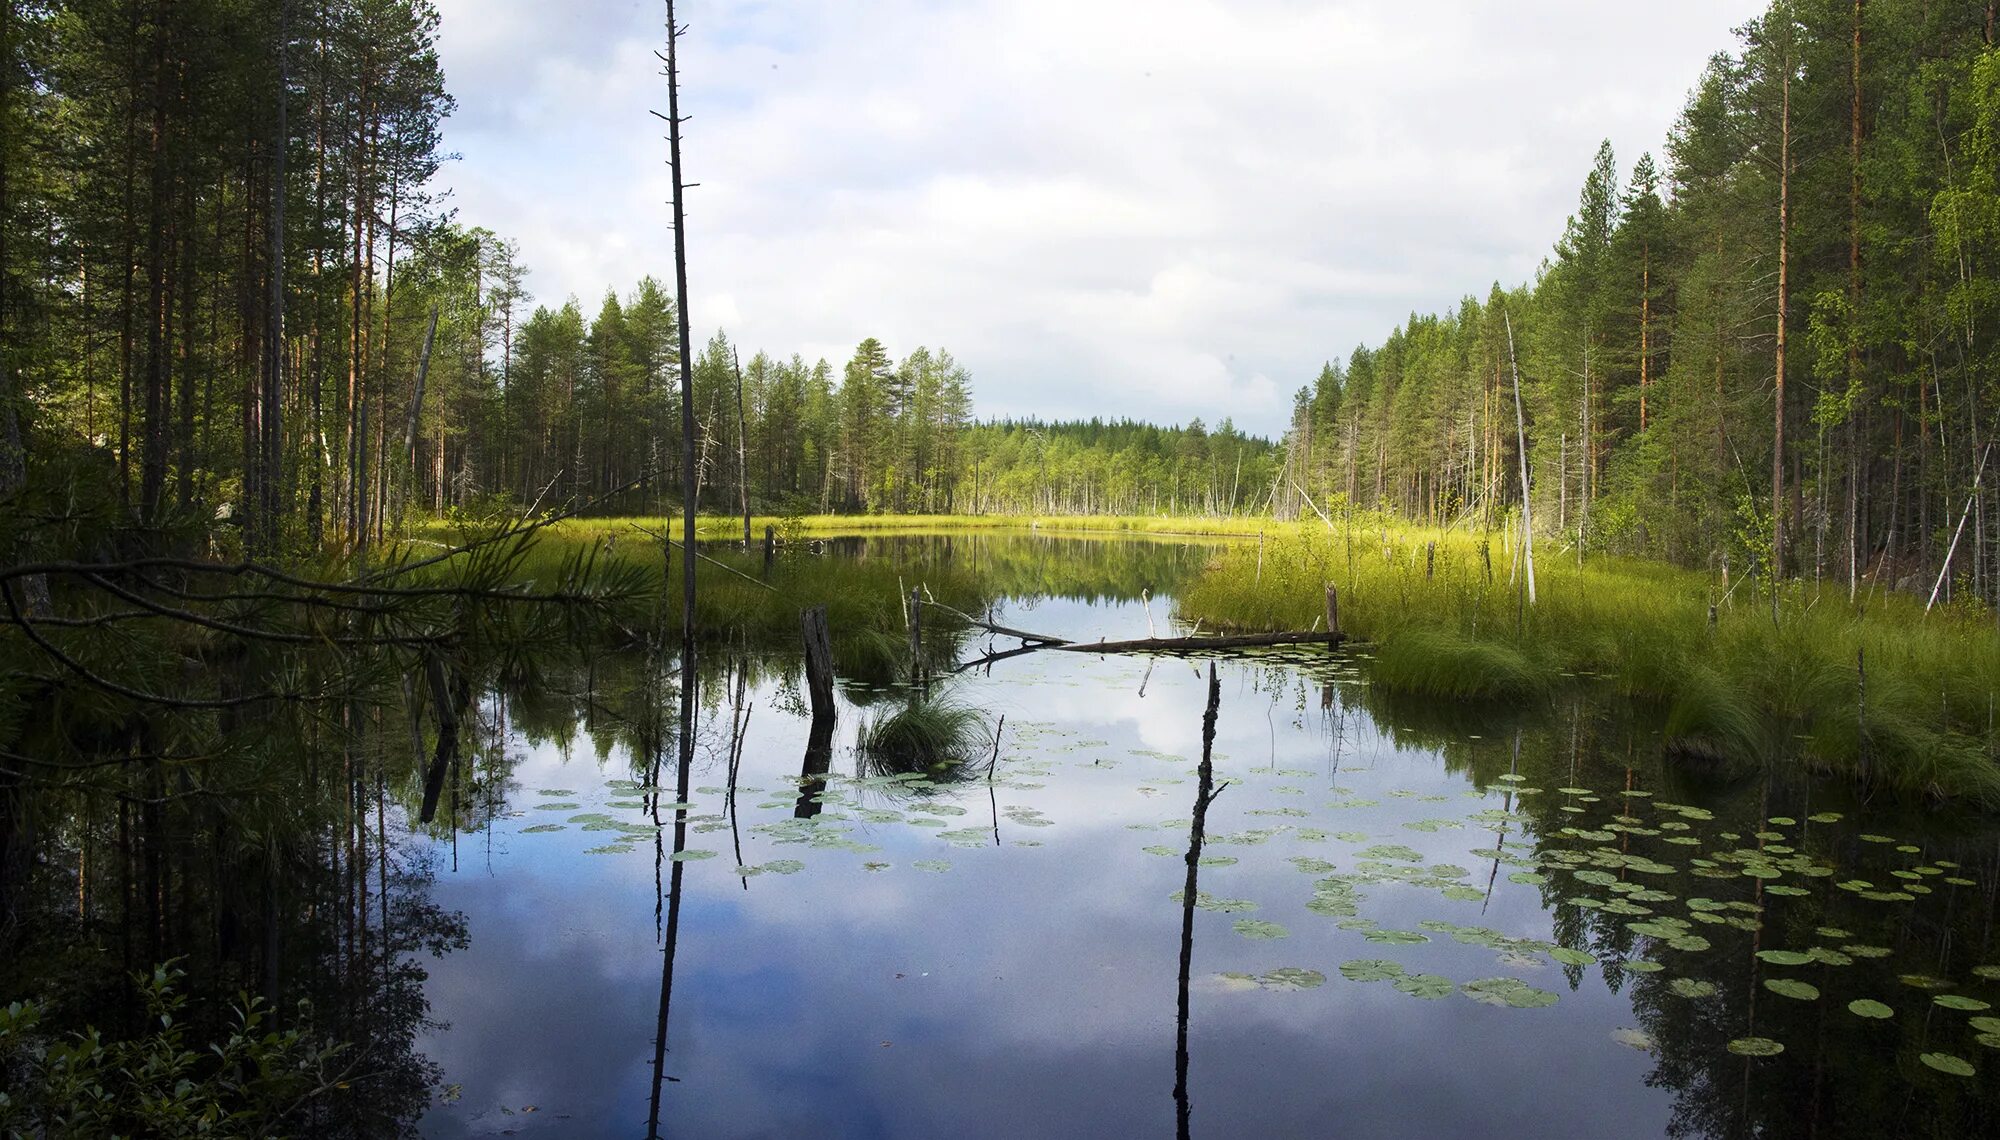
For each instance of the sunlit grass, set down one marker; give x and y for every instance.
(724, 527)
(1878, 690)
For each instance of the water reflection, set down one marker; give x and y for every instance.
(898, 969)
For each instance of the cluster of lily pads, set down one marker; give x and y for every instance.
(843, 805)
(1599, 858)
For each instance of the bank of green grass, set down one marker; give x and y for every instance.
(1879, 691)
(738, 601)
(724, 527)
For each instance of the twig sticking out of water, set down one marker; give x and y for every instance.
(995, 759)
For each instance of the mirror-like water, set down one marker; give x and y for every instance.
(1410, 921)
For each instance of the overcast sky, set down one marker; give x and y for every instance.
(1159, 209)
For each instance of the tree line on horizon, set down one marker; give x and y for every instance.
(1782, 344)
(228, 284)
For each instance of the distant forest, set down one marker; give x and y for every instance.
(228, 286)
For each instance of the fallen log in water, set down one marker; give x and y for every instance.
(1197, 644)
(1159, 645)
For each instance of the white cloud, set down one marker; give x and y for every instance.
(1160, 209)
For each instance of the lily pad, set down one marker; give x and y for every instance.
(1960, 1001)
(1508, 992)
(690, 855)
(1692, 987)
(1292, 978)
(935, 866)
(1755, 1047)
(1784, 957)
(1946, 1063)
(541, 828)
(1397, 937)
(1429, 987)
(1569, 957)
(1634, 1039)
(1260, 930)
(1370, 970)
(1868, 1007)
(1792, 988)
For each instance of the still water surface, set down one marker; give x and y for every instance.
(1413, 921)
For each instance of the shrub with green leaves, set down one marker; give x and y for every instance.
(156, 1085)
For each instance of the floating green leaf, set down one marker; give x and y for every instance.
(1792, 988)
(1370, 970)
(1569, 957)
(1429, 987)
(1946, 1063)
(1397, 937)
(1507, 991)
(1692, 987)
(1755, 1047)
(1868, 1007)
(1634, 1039)
(1784, 957)
(1259, 930)
(1959, 1001)
(541, 828)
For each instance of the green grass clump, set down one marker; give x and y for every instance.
(1443, 663)
(1878, 690)
(936, 738)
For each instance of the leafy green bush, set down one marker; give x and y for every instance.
(155, 1085)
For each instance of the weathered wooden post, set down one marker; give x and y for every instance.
(819, 662)
(1332, 609)
(770, 549)
(916, 635)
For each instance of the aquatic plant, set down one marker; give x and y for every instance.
(937, 738)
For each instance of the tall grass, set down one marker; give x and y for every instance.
(1879, 691)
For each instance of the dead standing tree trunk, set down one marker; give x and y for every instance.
(1205, 794)
(1521, 441)
(688, 671)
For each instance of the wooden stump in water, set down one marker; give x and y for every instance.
(916, 635)
(819, 662)
(1332, 608)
